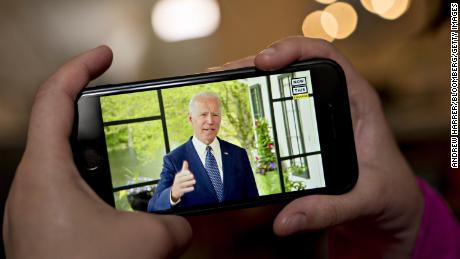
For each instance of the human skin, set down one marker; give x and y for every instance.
(205, 118)
(381, 216)
(184, 182)
(51, 212)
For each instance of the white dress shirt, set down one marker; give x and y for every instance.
(200, 148)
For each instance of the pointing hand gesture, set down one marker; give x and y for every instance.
(184, 182)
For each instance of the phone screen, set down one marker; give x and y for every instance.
(263, 129)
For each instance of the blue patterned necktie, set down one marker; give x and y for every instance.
(213, 173)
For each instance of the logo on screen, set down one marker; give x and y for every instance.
(299, 88)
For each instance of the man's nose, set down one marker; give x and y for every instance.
(209, 119)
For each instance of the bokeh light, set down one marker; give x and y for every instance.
(312, 28)
(382, 6)
(368, 5)
(387, 9)
(178, 20)
(399, 8)
(346, 20)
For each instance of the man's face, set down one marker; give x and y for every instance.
(205, 118)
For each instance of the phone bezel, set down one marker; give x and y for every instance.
(333, 121)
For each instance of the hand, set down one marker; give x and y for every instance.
(380, 217)
(184, 182)
(51, 212)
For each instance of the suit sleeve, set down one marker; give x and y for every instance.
(160, 199)
(251, 187)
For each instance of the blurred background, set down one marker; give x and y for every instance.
(400, 46)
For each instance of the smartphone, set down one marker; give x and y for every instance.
(274, 136)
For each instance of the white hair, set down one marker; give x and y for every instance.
(191, 105)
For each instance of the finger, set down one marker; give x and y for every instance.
(185, 176)
(180, 234)
(184, 166)
(214, 69)
(188, 184)
(188, 189)
(244, 62)
(182, 176)
(53, 110)
(318, 212)
(155, 236)
(291, 49)
(183, 182)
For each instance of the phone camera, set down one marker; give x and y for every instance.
(92, 160)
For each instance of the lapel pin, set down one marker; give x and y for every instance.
(225, 153)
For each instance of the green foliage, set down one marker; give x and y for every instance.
(139, 147)
(297, 170)
(132, 105)
(290, 185)
(267, 177)
(266, 159)
(268, 183)
(121, 201)
(143, 137)
(237, 112)
(236, 125)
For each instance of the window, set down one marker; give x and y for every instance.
(296, 134)
(136, 138)
(256, 100)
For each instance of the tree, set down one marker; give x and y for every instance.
(238, 113)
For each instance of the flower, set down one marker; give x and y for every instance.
(257, 158)
(272, 165)
(270, 145)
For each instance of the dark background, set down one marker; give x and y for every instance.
(406, 60)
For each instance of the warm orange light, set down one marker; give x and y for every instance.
(345, 18)
(325, 1)
(398, 9)
(330, 24)
(382, 6)
(368, 5)
(387, 9)
(179, 20)
(311, 27)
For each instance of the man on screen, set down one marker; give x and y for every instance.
(206, 169)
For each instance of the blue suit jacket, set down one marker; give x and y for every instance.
(239, 181)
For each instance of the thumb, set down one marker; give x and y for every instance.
(53, 110)
(316, 212)
(162, 236)
(184, 165)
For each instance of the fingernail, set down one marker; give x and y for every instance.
(268, 51)
(295, 222)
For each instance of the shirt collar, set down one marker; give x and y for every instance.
(201, 147)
